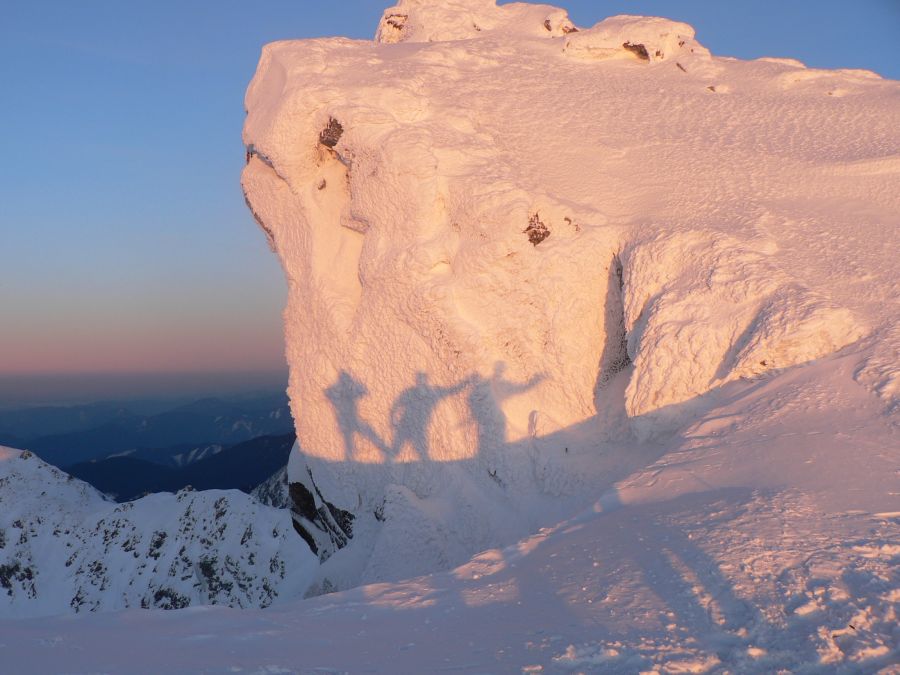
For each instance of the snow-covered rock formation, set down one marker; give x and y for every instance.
(520, 254)
(65, 548)
(274, 490)
(427, 21)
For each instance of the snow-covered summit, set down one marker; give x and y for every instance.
(645, 38)
(429, 21)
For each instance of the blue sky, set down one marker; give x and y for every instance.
(125, 244)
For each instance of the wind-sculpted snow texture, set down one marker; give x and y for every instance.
(519, 254)
(64, 548)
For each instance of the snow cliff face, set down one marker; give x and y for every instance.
(64, 548)
(512, 245)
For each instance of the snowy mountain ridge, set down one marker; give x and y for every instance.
(65, 548)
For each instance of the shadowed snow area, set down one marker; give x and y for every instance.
(611, 314)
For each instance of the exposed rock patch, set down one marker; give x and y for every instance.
(639, 50)
(537, 231)
(331, 134)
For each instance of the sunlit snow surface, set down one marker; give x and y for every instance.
(690, 384)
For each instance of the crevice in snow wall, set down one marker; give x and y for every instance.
(615, 356)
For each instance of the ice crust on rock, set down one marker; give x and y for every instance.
(456, 380)
(428, 21)
(645, 38)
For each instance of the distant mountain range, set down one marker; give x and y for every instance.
(65, 436)
(242, 466)
(30, 423)
(236, 442)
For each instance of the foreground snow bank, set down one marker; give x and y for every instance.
(763, 538)
(686, 585)
(514, 262)
(64, 548)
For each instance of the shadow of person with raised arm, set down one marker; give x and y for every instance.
(344, 396)
(485, 399)
(411, 415)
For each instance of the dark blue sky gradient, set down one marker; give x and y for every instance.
(125, 245)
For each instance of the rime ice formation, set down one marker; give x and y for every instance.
(425, 21)
(64, 548)
(640, 37)
(521, 256)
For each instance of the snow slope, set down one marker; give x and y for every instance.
(64, 548)
(522, 257)
(725, 580)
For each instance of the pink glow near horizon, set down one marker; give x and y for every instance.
(133, 349)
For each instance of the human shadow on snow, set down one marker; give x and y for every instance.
(672, 564)
(412, 411)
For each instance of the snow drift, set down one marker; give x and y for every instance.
(513, 246)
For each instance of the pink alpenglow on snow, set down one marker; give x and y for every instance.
(594, 358)
(522, 257)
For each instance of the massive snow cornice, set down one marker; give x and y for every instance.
(509, 242)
